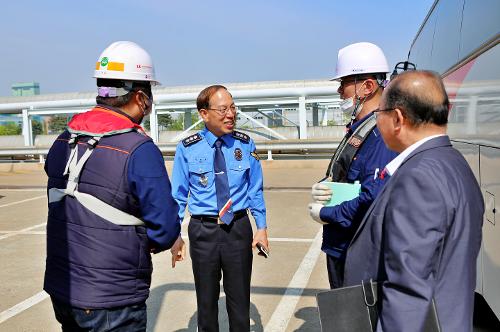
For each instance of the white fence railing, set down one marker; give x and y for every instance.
(278, 146)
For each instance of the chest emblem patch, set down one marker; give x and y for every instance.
(354, 141)
(238, 155)
(203, 180)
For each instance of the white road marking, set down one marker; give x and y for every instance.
(281, 316)
(289, 239)
(285, 309)
(20, 307)
(12, 233)
(270, 239)
(23, 201)
(25, 233)
(284, 190)
(24, 189)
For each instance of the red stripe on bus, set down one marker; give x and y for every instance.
(454, 80)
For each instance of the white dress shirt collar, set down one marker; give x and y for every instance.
(393, 166)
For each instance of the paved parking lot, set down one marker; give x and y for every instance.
(283, 286)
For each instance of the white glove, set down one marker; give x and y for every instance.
(321, 193)
(314, 209)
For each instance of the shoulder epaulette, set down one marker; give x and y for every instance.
(192, 139)
(242, 137)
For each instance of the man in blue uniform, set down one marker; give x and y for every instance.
(361, 156)
(217, 173)
(110, 202)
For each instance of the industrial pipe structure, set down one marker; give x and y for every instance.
(296, 94)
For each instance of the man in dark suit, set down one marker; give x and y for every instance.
(421, 237)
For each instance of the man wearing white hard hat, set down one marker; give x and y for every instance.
(361, 156)
(110, 202)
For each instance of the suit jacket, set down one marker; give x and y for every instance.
(421, 238)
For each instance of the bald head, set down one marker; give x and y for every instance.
(420, 95)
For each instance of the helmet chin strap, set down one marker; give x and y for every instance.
(359, 105)
(357, 108)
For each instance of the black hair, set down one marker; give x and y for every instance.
(120, 101)
(203, 100)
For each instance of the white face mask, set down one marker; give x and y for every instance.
(350, 107)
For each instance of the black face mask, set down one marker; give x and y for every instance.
(148, 104)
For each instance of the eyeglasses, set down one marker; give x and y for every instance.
(224, 109)
(376, 111)
(353, 80)
(344, 82)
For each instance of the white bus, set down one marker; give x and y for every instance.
(460, 40)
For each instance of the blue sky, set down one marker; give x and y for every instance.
(56, 43)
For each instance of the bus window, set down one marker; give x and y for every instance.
(421, 50)
(480, 24)
(446, 41)
(475, 97)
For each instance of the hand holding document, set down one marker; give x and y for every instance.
(321, 193)
(341, 192)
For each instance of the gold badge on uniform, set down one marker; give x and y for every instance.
(255, 155)
(203, 180)
(238, 154)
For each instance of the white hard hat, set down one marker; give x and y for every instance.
(360, 58)
(125, 60)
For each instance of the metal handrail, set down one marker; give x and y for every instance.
(276, 146)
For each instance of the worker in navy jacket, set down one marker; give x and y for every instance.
(361, 156)
(110, 202)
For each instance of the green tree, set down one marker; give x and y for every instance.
(58, 124)
(167, 122)
(164, 121)
(37, 127)
(195, 117)
(177, 124)
(10, 128)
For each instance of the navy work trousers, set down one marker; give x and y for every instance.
(131, 318)
(216, 251)
(335, 267)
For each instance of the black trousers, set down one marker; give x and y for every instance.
(335, 269)
(216, 251)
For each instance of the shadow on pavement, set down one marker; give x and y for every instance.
(255, 320)
(310, 317)
(309, 314)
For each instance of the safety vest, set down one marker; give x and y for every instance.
(344, 155)
(98, 253)
(74, 167)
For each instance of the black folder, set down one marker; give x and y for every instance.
(354, 308)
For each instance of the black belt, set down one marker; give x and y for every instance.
(215, 219)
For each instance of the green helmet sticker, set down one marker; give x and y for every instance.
(104, 61)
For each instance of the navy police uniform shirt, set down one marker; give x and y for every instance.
(193, 175)
(344, 219)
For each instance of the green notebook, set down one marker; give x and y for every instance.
(342, 191)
